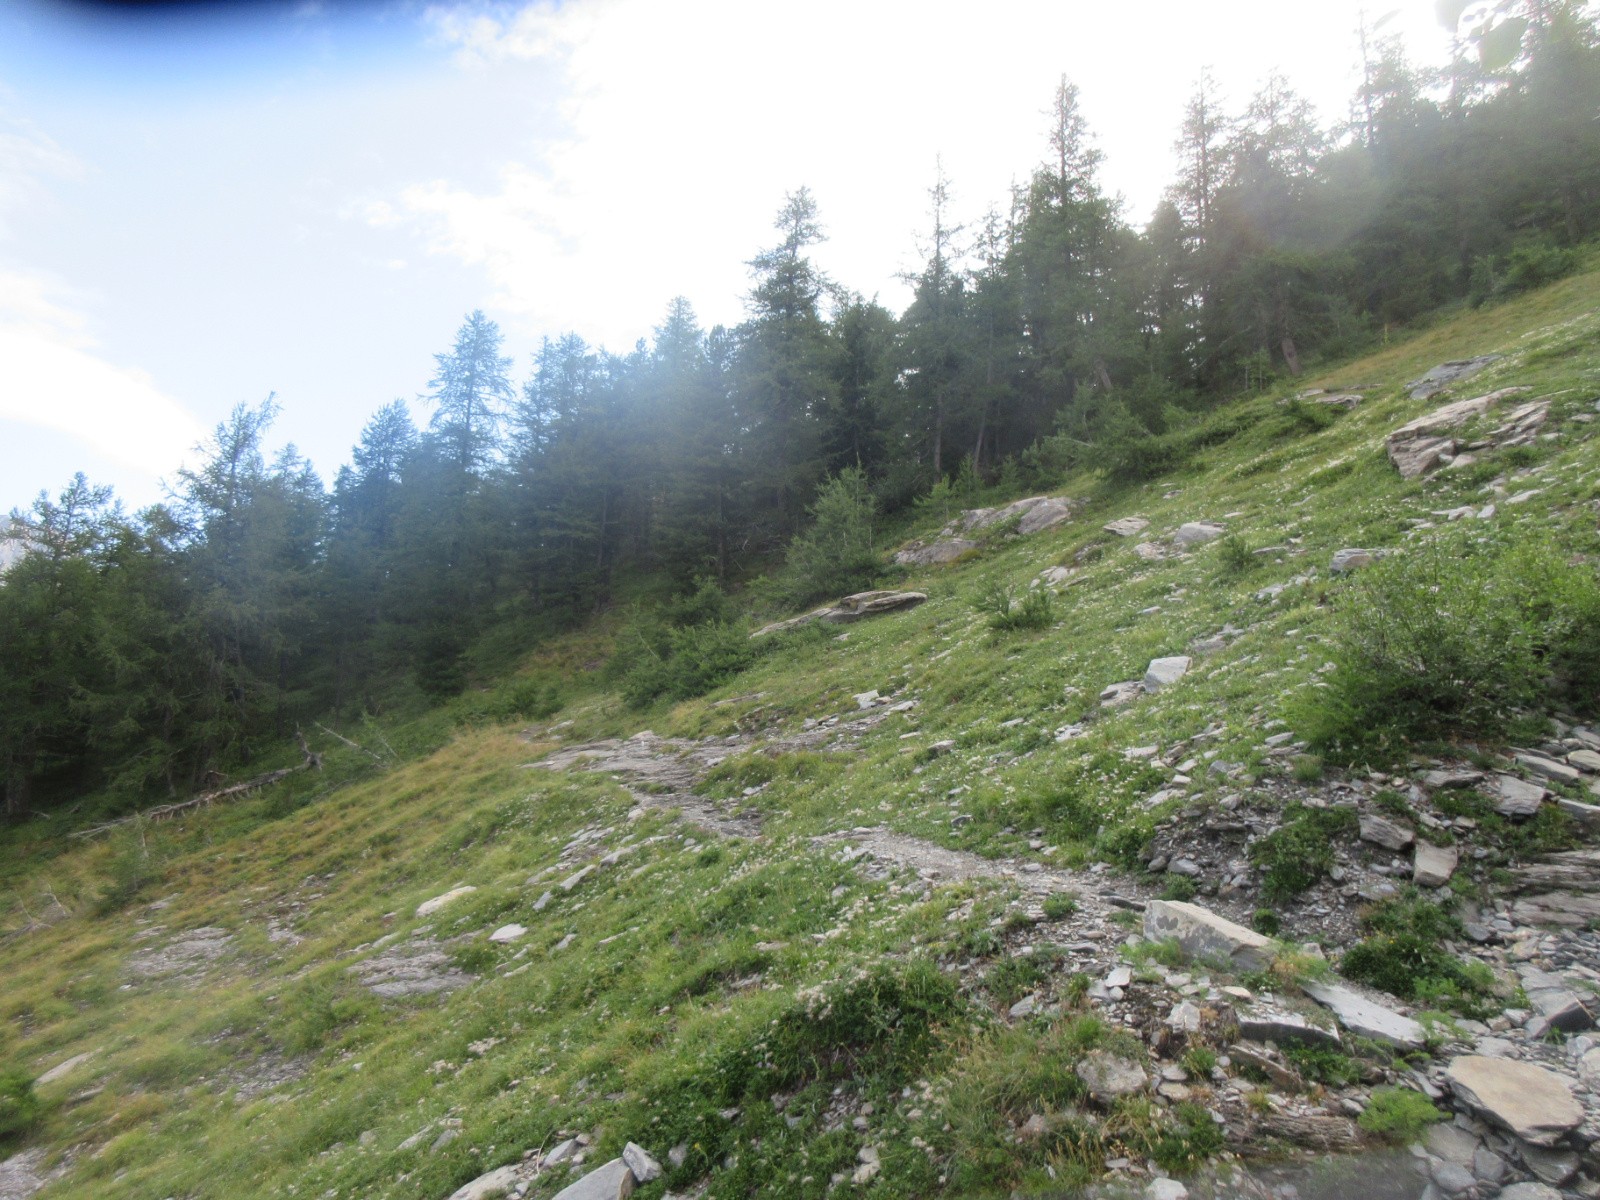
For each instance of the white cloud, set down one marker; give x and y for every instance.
(55, 380)
(685, 124)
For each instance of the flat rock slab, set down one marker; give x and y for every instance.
(1422, 445)
(1531, 1102)
(428, 907)
(1126, 526)
(1263, 1023)
(1202, 934)
(934, 554)
(24, 1173)
(496, 1183)
(862, 604)
(1530, 1191)
(1516, 797)
(414, 968)
(1539, 764)
(189, 953)
(1032, 514)
(1446, 373)
(1366, 1018)
(1574, 910)
(62, 1070)
(1119, 694)
(613, 1181)
(1165, 671)
(1433, 865)
(508, 933)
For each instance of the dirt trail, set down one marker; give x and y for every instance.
(668, 768)
(676, 765)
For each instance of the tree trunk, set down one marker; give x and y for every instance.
(1290, 355)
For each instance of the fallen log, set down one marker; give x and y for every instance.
(313, 761)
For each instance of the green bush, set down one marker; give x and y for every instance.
(1060, 904)
(1178, 887)
(1404, 955)
(1300, 851)
(1236, 555)
(835, 557)
(20, 1109)
(1452, 639)
(1005, 615)
(1398, 1115)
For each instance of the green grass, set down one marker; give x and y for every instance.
(757, 977)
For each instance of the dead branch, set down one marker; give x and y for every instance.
(313, 761)
(375, 757)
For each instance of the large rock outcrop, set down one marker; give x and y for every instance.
(1429, 442)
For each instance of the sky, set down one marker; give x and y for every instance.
(202, 206)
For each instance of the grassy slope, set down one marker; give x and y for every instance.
(645, 1037)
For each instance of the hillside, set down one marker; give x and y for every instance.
(902, 909)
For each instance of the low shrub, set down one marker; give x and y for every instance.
(1036, 610)
(1404, 955)
(682, 649)
(1453, 639)
(20, 1108)
(1398, 1115)
(1235, 554)
(1299, 852)
(1060, 904)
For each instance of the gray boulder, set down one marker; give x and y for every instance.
(1163, 672)
(1433, 865)
(1197, 533)
(1381, 831)
(613, 1181)
(1110, 1077)
(496, 1183)
(1201, 933)
(1429, 442)
(1045, 515)
(1126, 526)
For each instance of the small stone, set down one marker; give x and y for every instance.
(1109, 1077)
(508, 933)
(429, 907)
(1166, 1189)
(1453, 1178)
(1433, 865)
(645, 1169)
(1350, 560)
(576, 878)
